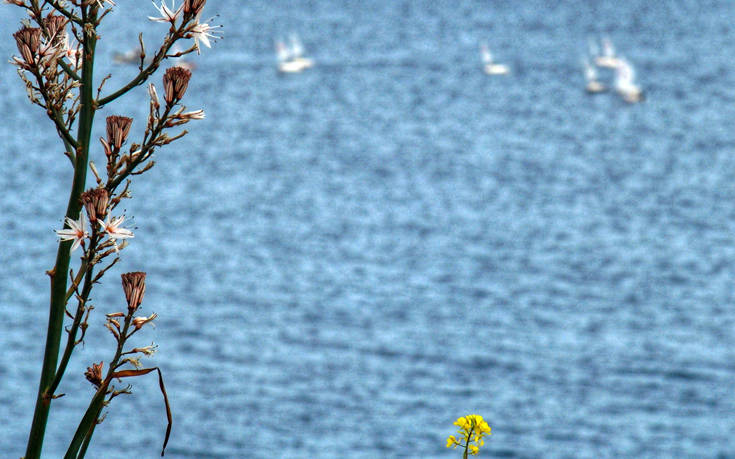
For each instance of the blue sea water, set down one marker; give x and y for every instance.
(346, 260)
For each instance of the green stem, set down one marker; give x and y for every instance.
(89, 421)
(148, 145)
(86, 426)
(146, 72)
(59, 272)
(87, 440)
(467, 444)
(82, 302)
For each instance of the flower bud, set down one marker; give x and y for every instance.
(134, 288)
(28, 40)
(118, 128)
(94, 374)
(175, 82)
(193, 7)
(138, 322)
(154, 96)
(95, 202)
(55, 24)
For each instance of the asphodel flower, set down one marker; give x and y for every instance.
(138, 322)
(202, 31)
(167, 14)
(76, 232)
(147, 350)
(111, 226)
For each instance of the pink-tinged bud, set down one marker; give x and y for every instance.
(195, 115)
(175, 82)
(95, 202)
(193, 7)
(94, 374)
(134, 288)
(147, 350)
(28, 40)
(55, 26)
(118, 128)
(154, 96)
(106, 148)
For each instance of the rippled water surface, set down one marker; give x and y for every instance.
(346, 260)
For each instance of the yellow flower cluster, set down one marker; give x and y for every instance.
(472, 429)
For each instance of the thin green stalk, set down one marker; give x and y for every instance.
(467, 444)
(72, 333)
(59, 272)
(85, 426)
(87, 440)
(88, 422)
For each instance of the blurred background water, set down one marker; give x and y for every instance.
(346, 260)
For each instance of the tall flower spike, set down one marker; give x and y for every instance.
(134, 288)
(118, 128)
(175, 82)
(95, 202)
(76, 232)
(28, 40)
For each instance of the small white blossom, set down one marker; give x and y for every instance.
(167, 14)
(203, 31)
(101, 3)
(111, 226)
(75, 232)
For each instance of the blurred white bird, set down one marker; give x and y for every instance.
(489, 66)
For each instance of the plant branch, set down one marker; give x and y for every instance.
(58, 275)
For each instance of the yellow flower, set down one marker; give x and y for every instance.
(472, 430)
(452, 441)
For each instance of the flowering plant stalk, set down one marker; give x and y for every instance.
(57, 48)
(472, 429)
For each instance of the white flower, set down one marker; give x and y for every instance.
(100, 3)
(75, 232)
(167, 15)
(111, 226)
(203, 31)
